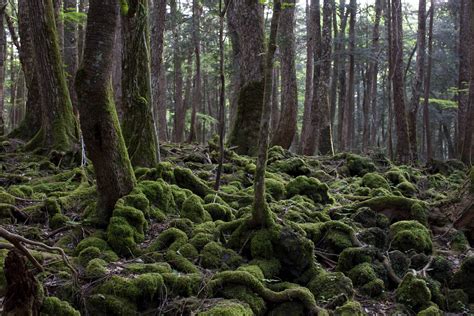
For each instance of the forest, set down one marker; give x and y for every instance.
(236, 157)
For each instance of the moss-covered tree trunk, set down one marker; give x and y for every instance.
(137, 123)
(70, 48)
(31, 123)
(245, 21)
(286, 130)
(58, 126)
(3, 43)
(463, 79)
(100, 127)
(261, 215)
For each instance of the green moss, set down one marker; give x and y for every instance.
(243, 294)
(3, 280)
(219, 212)
(58, 220)
(51, 207)
(172, 237)
(327, 286)
(184, 285)
(397, 207)
(410, 235)
(270, 268)
(188, 251)
(362, 274)
(374, 288)
(351, 308)
(374, 180)
(213, 256)
(160, 194)
(186, 179)
(193, 209)
(21, 191)
(275, 188)
(358, 165)
(228, 308)
(311, 187)
(91, 242)
(253, 269)
(464, 278)
(6, 198)
(100, 304)
(288, 308)
(441, 269)
(88, 254)
(293, 166)
(431, 311)
(408, 189)
(199, 240)
(54, 306)
(457, 301)
(396, 176)
(261, 244)
(96, 268)
(140, 268)
(351, 257)
(6, 210)
(413, 292)
(459, 242)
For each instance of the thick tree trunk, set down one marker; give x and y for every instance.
(289, 91)
(418, 79)
(325, 142)
(311, 136)
(463, 81)
(117, 68)
(137, 123)
(70, 49)
(261, 214)
(99, 122)
(401, 125)
(158, 83)
(468, 143)
(348, 120)
(58, 127)
(197, 98)
(245, 20)
(3, 50)
(308, 97)
(340, 50)
(58, 7)
(374, 71)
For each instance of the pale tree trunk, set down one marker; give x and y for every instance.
(58, 126)
(308, 97)
(197, 98)
(418, 79)
(323, 117)
(401, 124)
(179, 117)
(3, 46)
(389, 29)
(99, 122)
(158, 82)
(340, 50)
(261, 214)
(374, 71)
(463, 81)
(289, 91)
(275, 102)
(245, 20)
(137, 123)
(81, 31)
(70, 49)
(13, 83)
(310, 138)
(348, 120)
(467, 144)
(117, 68)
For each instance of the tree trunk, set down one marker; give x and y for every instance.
(3, 50)
(179, 117)
(58, 7)
(467, 143)
(418, 79)
(81, 31)
(325, 143)
(463, 81)
(289, 91)
(245, 20)
(158, 84)
(308, 97)
(401, 126)
(340, 50)
(13, 83)
(261, 214)
(117, 68)
(374, 71)
(137, 124)
(58, 125)
(99, 122)
(348, 128)
(70, 49)
(275, 102)
(197, 98)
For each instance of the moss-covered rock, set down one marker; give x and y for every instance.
(431, 311)
(96, 268)
(408, 189)
(413, 292)
(275, 188)
(464, 278)
(362, 274)
(294, 167)
(358, 165)
(311, 187)
(228, 308)
(288, 308)
(91, 242)
(214, 256)
(351, 308)
(219, 212)
(53, 306)
(374, 180)
(457, 301)
(158, 193)
(327, 286)
(58, 220)
(6, 198)
(410, 235)
(351, 257)
(186, 179)
(193, 209)
(441, 269)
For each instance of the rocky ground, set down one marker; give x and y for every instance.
(353, 235)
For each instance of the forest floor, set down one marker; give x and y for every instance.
(353, 235)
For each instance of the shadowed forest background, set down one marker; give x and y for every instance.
(236, 157)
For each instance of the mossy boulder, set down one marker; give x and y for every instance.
(351, 257)
(92, 242)
(408, 189)
(158, 193)
(410, 235)
(186, 179)
(396, 176)
(275, 188)
(6, 198)
(374, 180)
(311, 187)
(441, 269)
(464, 278)
(327, 286)
(53, 306)
(96, 268)
(457, 301)
(214, 256)
(351, 308)
(228, 308)
(288, 308)
(294, 167)
(431, 311)
(413, 292)
(193, 209)
(219, 212)
(358, 165)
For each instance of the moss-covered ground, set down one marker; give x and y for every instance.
(353, 235)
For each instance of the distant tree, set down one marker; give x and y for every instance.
(463, 77)
(70, 52)
(99, 122)
(3, 48)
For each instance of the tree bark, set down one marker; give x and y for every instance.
(99, 122)
(158, 84)
(374, 71)
(58, 125)
(463, 80)
(275, 118)
(418, 79)
(245, 20)
(3, 50)
(137, 123)
(70, 49)
(81, 31)
(180, 114)
(401, 125)
(340, 50)
(289, 91)
(197, 98)
(261, 214)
